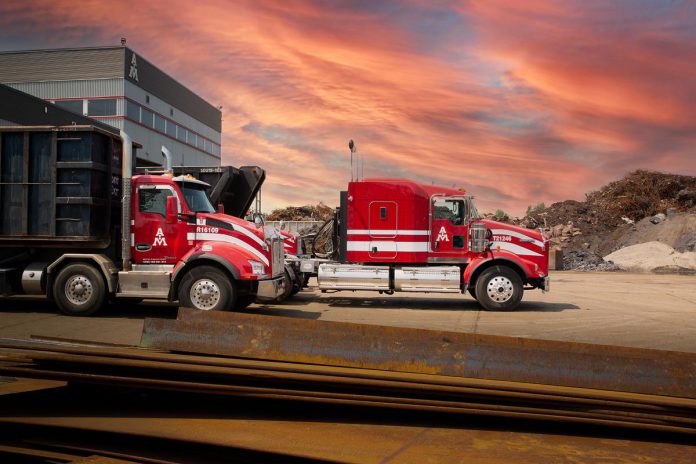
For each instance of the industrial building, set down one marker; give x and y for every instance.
(120, 88)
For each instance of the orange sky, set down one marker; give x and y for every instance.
(519, 102)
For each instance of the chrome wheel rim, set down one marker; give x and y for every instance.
(204, 294)
(500, 289)
(78, 289)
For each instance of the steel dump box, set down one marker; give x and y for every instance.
(59, 186)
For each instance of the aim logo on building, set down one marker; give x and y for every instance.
(159, 238)
(133, 73)
(442, 235)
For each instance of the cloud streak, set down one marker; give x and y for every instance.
(519, 103)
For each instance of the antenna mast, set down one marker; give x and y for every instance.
(353, 149)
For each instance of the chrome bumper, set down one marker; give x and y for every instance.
(270, 289)
(547, 284)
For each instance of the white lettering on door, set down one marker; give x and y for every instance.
(159, 238)
(442, 236)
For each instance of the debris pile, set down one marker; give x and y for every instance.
(582, 260)
(319, 212)
(638, 195)
(644, 206)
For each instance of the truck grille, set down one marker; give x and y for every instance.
(278, 256)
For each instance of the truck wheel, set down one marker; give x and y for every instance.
(206, 288)
(79, 290)
(499, 288)
(297, 283)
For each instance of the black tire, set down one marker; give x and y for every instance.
(472, 292)
(206, 288)
(290, 282)
(297, 283)
(79, 290)
(243, 302)
(499, 288)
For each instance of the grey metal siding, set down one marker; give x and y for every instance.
(156, 82)
(152, 148)
(57, 65)
(72, 89)
(162, 107)
(27, 110)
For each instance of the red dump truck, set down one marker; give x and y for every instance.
(78, 227)
(396, 235)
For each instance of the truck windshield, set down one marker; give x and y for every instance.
(196, 198)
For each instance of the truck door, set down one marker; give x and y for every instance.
(154, 240)
(383, 229)
(448, 229)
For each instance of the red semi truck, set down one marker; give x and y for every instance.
(398, 235)
(78, 227)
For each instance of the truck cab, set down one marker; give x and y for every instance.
(399, 235)
(213, 260)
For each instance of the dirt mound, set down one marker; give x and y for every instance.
(650, 256)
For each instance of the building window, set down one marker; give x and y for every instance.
(71, 105)
(147, 117)
(181, 133)
(160, 124)
(171, 129)
(192, 138)
(133, 111)
(102, 107)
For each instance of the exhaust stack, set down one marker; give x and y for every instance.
(127, 172)
(168, 160)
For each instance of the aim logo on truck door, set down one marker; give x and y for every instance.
(160, 240)
(442, 235)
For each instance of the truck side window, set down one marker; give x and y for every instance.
(153, 200)
(453, 210)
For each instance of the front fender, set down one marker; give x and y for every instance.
(528, 267)
(233, 258)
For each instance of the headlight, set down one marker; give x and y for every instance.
(257, 267)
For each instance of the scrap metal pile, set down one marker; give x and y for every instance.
(240, 382)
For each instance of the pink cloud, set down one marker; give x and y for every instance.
(518, 102)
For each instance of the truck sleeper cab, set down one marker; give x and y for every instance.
(78, 228)
(398, 235)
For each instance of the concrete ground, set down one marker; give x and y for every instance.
(640, 310)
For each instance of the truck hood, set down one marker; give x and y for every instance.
(518, 240)
(224, 221)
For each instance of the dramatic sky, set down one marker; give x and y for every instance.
(517, 101)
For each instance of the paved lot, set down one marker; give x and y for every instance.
(642, 310)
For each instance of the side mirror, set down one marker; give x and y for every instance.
(172, 210)
(221, 208)
(258, 220)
